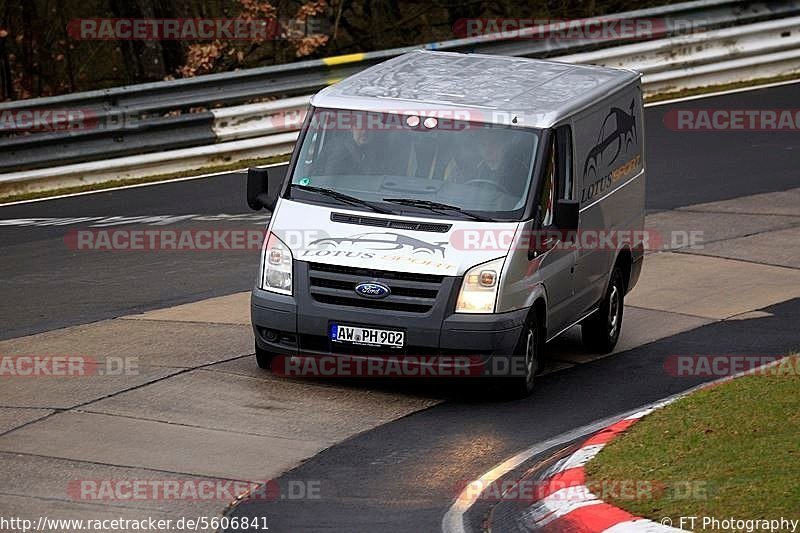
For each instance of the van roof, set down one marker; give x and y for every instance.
(479, 87)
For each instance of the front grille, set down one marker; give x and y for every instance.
(411, 293)
(369, 272)
(348, 286)
(373, 304)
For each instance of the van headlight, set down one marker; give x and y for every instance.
(276, 269)
(478, 292)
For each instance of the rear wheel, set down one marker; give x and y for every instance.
(263, 358)
(600, 331)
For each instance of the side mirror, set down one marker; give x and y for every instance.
(567, 215)
(257, 186)
(565, 226)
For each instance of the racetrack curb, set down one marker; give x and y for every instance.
(565, 503)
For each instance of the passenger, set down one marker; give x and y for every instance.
(353, 157)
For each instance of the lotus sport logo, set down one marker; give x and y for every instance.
(372, 289)
(382, 241)
(618, 136)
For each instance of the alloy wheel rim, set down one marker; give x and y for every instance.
(613, 311)
(530, 355)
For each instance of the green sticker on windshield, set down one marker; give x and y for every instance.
(304, 181)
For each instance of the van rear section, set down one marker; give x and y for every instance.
(610, 164)
(438, 208)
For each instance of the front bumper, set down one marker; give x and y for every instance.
(299, 325)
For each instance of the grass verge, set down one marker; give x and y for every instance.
(730, 450)
(711, 89)
(147, 179)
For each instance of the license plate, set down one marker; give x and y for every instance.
(367, 336)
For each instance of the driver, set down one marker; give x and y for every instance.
(497, 166)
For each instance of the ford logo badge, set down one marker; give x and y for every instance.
(372, 289)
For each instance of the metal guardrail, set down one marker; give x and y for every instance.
(41, 150)
(130, 120)
(258, 120)
(754, 51)
(742, 53)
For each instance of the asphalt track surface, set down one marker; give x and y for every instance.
(403, 476)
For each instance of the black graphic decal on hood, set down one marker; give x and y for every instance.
(382, 241)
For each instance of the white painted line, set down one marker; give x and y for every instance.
(149, 220)
(560, 503)
(582, 456)
(136, 185)
(645, 412)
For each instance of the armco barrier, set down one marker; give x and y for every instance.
(742, 53)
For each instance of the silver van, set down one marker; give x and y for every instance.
(445, 204)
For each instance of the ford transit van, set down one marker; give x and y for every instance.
(444, 204)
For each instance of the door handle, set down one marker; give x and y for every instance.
(542, 247)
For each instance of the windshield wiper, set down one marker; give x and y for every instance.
(342, 197)
(436, 206)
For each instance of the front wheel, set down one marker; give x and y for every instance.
(600, 331)
(529, 347)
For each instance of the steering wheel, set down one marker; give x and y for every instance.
(481, 181)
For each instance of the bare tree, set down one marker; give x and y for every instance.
(144, 60)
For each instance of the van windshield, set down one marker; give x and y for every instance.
(375, 157)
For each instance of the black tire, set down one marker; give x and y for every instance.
(600, 331)
(263, 358)
(530, 347)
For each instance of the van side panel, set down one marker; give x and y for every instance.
(610, 177)
(525, 280)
